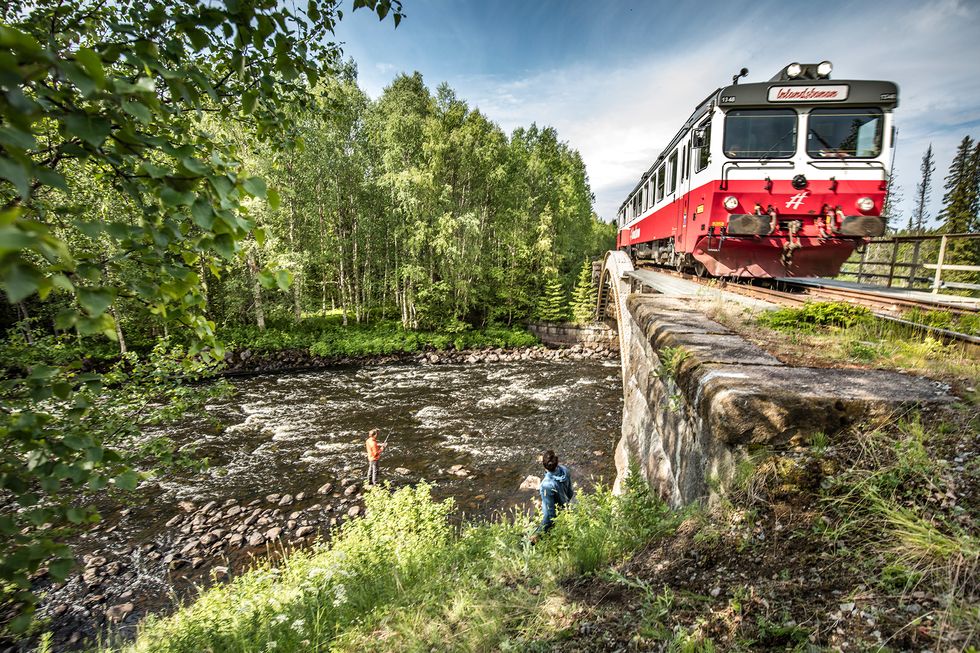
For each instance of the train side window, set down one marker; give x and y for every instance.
(703, 145)
(683, 162)
(673, 172)
(661, 178)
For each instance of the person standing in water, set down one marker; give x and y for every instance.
(374, 450)
(556, 491)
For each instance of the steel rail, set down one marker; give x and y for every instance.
(794, 299)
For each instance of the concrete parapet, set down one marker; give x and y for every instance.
(698, 398)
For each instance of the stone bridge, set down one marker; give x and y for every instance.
(698, 398)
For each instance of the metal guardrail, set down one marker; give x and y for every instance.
(909, 272)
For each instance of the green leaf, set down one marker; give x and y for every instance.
(202, 212)
(259, 234)
(174, 197)
(60, 568)
(21, 281)
(138, 110)
(127, 480)
(273, 199)
(255, 186)
(95, 300)
(248, 101)
(17, 174)
(20, 623)
(283, 279)
(91, 129)
(75, 516)
(92, 64)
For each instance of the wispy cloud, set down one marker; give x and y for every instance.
(631, 74)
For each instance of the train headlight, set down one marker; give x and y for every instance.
(731, 203)
(824, 68)
(865, 204)
(794, 70)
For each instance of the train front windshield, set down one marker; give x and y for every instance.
(760, 134)
(844, 133)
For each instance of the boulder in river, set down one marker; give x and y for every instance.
(402, 470)
(273, 533)
(326, 488)
(118, 613)
(256, 539)
(286, 500)
(351, 489)
(354, 511)
(273, 498)
(531, 483)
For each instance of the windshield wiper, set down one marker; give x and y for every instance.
(765, 156)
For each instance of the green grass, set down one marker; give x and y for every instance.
(404, 579)
(327, 336)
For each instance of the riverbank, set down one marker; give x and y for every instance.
(864, 542)
(285, 463)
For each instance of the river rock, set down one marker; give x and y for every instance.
(273, 498)
(186, 506)
(354, 511)
(286, 500)
(118, 613)
(113, 568)
(91, 576)
(273, 533)
(173, 521)
(220, 573)
(190, 546)
(455, 468)
(236, 540)
(531, 483)
(256, 539)
(95, 561)
(300, 496)
(208, 507)
(229, 503)
(207, 539)
(326, 488)
(351, 489)
(197, 562)
(402, 470)
(303, 531)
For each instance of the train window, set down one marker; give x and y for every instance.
(844, 132)
(704, 146)
(661, 178)
(683, 163)
(760, 134)
(673, 173)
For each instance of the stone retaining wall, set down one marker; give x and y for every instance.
(698, 399)
(596, 335)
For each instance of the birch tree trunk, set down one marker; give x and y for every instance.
(256, 292)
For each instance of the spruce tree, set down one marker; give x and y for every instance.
(960, 205)
(584, 295)
(893, 198)
(552, 307)
(918, 219)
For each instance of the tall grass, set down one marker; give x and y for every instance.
(404, 579)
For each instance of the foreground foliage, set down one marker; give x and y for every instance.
(403, 578)
(117, 194)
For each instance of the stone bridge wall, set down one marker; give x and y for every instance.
(592, 336)
(698, 398)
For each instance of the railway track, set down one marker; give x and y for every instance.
(883, 306)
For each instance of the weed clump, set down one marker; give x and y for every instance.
(812, 315)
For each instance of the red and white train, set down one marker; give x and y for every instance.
(775, 179)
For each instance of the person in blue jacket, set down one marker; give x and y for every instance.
(556, 491)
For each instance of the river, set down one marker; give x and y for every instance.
(474, 431)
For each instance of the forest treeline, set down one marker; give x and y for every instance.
(413, 207)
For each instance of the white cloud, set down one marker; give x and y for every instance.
(619, 118)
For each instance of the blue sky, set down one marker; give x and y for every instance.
(618, 78)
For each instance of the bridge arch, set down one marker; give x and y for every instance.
(614, 288)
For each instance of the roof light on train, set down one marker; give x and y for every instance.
(731, 202)
(824, 68)
(794, 70)
(865, 204)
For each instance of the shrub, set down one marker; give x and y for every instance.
(816, 314)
